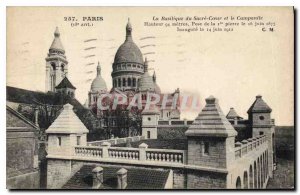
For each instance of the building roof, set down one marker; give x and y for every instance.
(128, 51)
(259, 105)
(146, 82)
(98, 83)
(35, 99)
(56, 44)
(67, 122)
(153, 109)
(65, 83)
(137, 178)
(211, 122)
(14, 119)
(232, 114)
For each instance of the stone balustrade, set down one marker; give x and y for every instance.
(123, 153)
(246, 146)
(89, 151)
(116, 141)
(173, 156)
(141, 154)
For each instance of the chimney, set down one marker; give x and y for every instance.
(97, 177)
(122, 178)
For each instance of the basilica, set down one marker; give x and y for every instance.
(130, 76)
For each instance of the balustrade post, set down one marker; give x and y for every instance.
(245, 143)
(238, 145)
(142, 148)
(105, 146)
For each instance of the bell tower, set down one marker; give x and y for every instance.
(56, 63)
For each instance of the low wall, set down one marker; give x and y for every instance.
(116, 141)
(25, 181)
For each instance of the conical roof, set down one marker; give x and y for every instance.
(56, 44)
(232, 114)
(128, 51)
(259, 105)
(211, 122)
(67, 123)
(65, 83)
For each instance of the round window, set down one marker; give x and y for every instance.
(261, 117)
(149, 119)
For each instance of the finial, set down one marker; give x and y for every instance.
(211, 100)
(154, 77)
(128, 30)
(146, 65)
(56, 33)
(258, 96)
(98, 69)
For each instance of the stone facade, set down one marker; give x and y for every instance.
(22, 166)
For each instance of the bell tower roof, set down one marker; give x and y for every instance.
(56, 44)
(259, 105)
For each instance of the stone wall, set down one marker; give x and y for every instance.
(205, 180)
(216, 156)
(179, 179)
(25, 181)
(58, 172)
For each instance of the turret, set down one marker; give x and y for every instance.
(262, 124)
(211, 138)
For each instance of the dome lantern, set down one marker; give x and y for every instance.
(98, 69)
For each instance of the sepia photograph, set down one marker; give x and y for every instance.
(150, 98)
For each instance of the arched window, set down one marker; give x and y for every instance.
(255, 176)
(62, 67)
(258, 173)
(251, 177)
(134, 82)
(119, 82)
(129, 82)
(124, 82)
(53, 66)
(245, 180)
(238, 184)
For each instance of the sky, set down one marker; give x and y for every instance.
(232, 66)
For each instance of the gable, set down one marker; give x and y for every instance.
(14, 120)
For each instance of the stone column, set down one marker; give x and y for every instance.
(97, 177)
(105, 146)
(143, 148)
(122, 178)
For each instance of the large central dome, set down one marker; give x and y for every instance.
(128, 65)
(128, 51)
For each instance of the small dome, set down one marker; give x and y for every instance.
(157, 89)
(146, 83)
(128, 51)
(98, 83)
